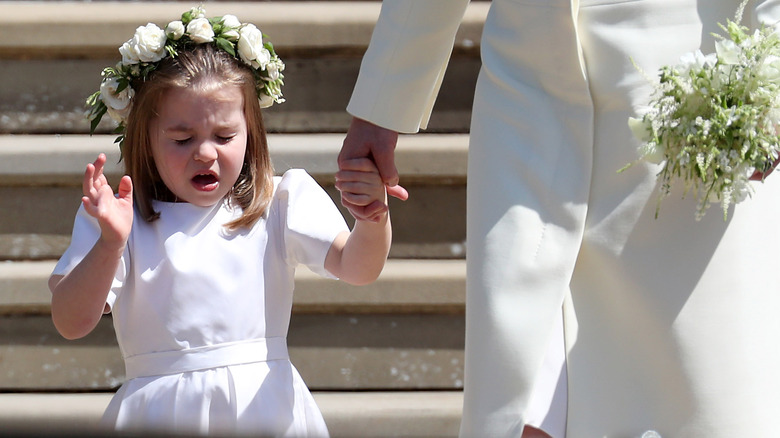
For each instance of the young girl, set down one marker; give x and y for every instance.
(196, 252)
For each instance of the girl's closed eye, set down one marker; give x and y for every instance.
(178, 135)
(225, 138)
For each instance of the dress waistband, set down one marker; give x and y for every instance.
(210, 356)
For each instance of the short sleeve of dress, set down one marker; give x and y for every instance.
(86, 232)
(311, 220)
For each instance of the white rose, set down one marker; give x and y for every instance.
(175, 30)
(231, 22)
(250, 47)
(262, 59)
(200, 30)
(148, 43)
(129, 53)
(118, 104)
(274, 69)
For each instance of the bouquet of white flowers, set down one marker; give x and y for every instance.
(713, 119)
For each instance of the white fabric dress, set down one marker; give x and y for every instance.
(201, 315)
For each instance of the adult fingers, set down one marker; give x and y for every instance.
(760, 175)
(361, 164)
(365, 139)
(357, 141)
(384, 158)
(398, 192)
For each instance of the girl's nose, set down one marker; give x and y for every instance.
(206, 151)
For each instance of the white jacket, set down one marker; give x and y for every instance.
(671, 324)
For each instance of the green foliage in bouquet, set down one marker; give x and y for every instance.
(713, 119)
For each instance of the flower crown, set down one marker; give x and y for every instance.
(142, 54)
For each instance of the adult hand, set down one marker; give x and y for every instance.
(760, 175)
(366, 140)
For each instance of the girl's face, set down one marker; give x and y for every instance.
(198, 142)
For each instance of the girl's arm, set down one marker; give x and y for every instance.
(358, 257)
(79, 298)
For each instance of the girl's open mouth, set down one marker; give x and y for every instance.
(205, 182)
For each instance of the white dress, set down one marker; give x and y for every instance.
(201, 315)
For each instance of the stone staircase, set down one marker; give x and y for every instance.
(382, 360)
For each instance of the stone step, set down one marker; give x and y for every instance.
(347, 414)
(405, 331)
(46, 76)
(292, 25)
(61, 159)
(40, 177)
(44, 96)
(404, 286)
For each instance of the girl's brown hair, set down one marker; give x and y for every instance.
(203, 65)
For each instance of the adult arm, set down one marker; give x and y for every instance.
(398, 82)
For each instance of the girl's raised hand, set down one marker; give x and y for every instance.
(114, 213)
(361, 185)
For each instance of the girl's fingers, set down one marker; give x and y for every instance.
(89, 206)
(98, 179)
(371, 212)
(355, 199)
(359, 189)
(350, 178)
(375, 210)
(361, 199)
(125, 190)
(100, 161)
(86, 185)
(93, 176)
(362, 189)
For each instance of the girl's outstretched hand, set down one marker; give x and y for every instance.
(114, 213)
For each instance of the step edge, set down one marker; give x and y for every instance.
(57, 159)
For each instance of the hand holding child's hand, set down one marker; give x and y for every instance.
(114, 213)
(366, 140)
(360, 184)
